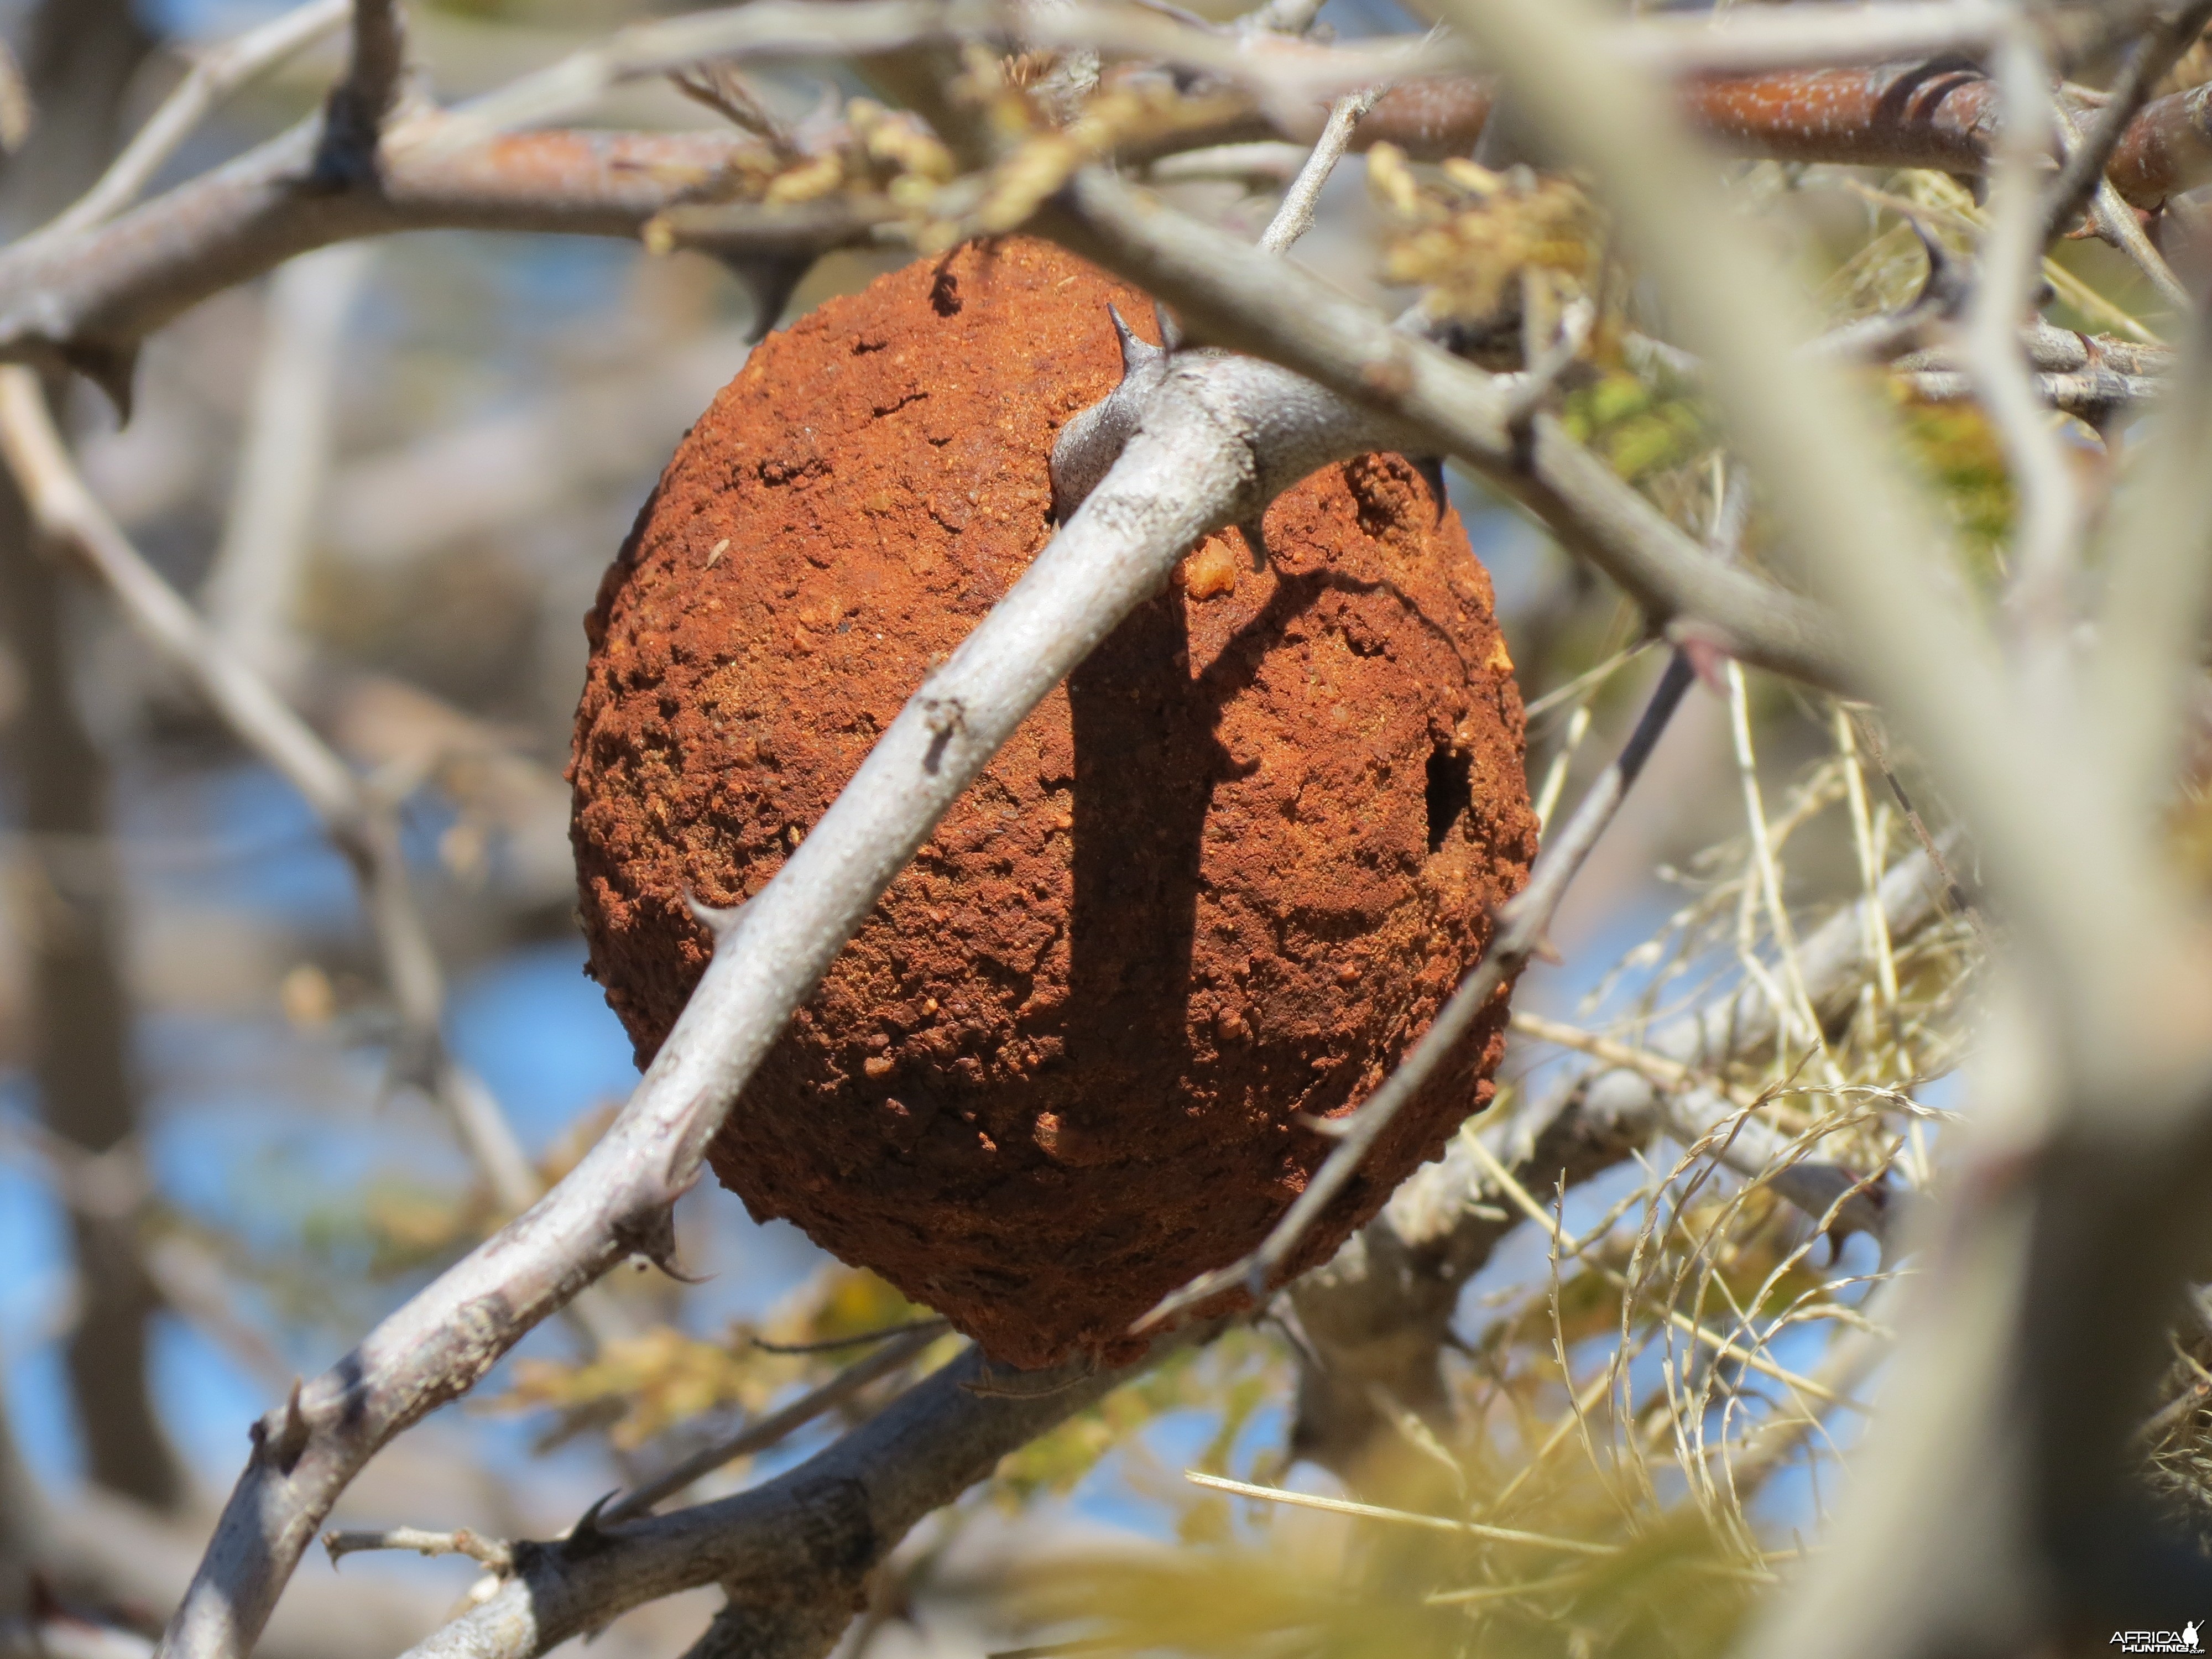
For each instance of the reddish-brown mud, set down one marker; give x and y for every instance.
(1213, 887)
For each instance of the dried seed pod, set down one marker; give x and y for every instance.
(1209, 891)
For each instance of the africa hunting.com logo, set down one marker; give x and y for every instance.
(2183, 1640)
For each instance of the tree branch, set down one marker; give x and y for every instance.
(1239, 297)
(778, 1425)
(88, 299)
(2085, 165)
(353, 115)
(214, 77)
(792, 1553)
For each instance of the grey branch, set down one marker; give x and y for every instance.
(792, 1552)
(88, 299)
(1239, 297)
(1295, 217)
(214, 77)
(494, 1553)
(779, 1425)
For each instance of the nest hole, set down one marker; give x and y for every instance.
(1450, 786)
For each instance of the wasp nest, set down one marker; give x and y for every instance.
(1209, 894)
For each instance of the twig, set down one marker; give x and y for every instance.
(495, 1554)
(832, 1343)
(252, 592)
(2083, 173)
(2116, 222)
(1296, 215)
(1288, 75)
(1662, 1070)
(778, 1425)
(1401, 1517)
(824, 1525)
(2050, 508)
(1521, 924)
(215, 75)
(2095, 397)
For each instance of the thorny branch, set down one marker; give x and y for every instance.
(791, 1552)
(494, 1554)
(1238, 297)
(88, 297)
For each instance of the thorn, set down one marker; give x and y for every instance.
(291, 1440)
(1432, 469)
(666, 1261)
(585, 1536)
(1708, 656)
(1334, 1127)
(656, 1242)
(1136, 350)
(1255, 538)
(1545, 951)
(109, 367)
(1171, 331)
(717, 920)
(768, 284)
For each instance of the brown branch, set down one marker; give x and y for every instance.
(2092, 158)
(1894, 115)
(89, 299)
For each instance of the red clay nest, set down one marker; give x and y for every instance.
(1213, 888)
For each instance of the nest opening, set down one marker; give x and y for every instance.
(1450, 786)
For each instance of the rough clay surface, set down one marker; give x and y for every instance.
(1215, 885)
